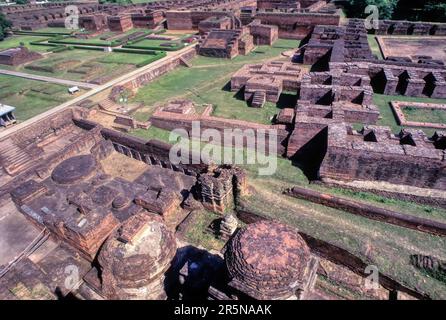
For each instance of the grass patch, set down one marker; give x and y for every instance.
(374, 46)
(15, 41)
(387, 116)
(206, 82)
(425, 115)
(86, 65)
(31, 97)
(387, 246)
(197, 233)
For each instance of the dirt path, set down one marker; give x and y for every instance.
(79, 84)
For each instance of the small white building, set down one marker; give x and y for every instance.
(73, 90)
(7, 116)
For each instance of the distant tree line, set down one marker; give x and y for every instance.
(413, 10)
(4, 24)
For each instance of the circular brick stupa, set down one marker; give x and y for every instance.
(74, 169)
(268, 260)
(135, 259)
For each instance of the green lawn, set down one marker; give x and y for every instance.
(388, 118)
(84, 65)
(206, 82)
(374, 46)
(387, 246)
(424, 115)
(15, 41)
(31, 97)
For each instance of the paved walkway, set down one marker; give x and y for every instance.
(129, 76)
(70, 83)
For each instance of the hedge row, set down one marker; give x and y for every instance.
(176, 48)
(92, 43)
(160, 31)
(151, 52)
(58, 49)
(88, 48)
(150, 60)
(40, 43)
(44, 34)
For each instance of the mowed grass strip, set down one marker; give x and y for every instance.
(15, 41)
(207, 82)
(31, 97)
(424, 115)
(387, 246)
(387, 116)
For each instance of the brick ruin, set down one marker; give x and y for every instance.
(411, 28)
(398, 110)
(110, 198)
(266, 82)
(134, 260)
(17, 56)
(286, 269)
(207, 25)
(121, 23)
(290, 19)
(328, 94)
(75, 193)
(92, 16)
(220, 43)
(170, 118)
(220, 188)
(346, 49)
(375, 153)
(263, 34)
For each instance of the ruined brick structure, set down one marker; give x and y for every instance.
(337, 44)
(92, 16)
(62, 175)
(220, 187)
(266, 82)
(376, 154)
(223, 22)
(97, 22)
(269, 261)
(247, 136)
(296, 25)
(346, 49)
(121, 23)
(17, 56)
(263, 34)
(326, 94)
(391, 27)
(226, 43)
(134, 260)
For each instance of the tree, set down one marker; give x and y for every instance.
(434, 11)
(4, 24)
(21, 1)
(356, 8)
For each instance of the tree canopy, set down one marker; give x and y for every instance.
(4, 24)
(414, 10)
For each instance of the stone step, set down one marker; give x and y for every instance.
(185, 62)
(107, 104)
(259, 99)
(13, 158)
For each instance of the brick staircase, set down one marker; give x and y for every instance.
(14, 159)
(108, 105)
(258, 99)
(185, 63)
